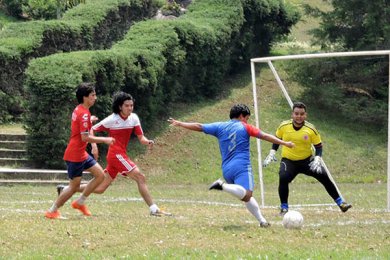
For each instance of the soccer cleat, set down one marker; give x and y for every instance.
(53, 215)
(345, 207)
(217, 185)
(265, 224)
(60, 188)
(83, 208)
(283, 211)
(160, 213)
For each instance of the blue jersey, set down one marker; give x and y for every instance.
(233, 137)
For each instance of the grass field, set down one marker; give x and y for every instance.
(206, 225)
(211, 224)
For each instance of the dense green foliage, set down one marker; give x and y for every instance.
(13, 7)
(356, 88)
(158, 62)
(354, 24)
(38, 9)
(95, 25)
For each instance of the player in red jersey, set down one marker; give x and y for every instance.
(120, 125)
(76, 157)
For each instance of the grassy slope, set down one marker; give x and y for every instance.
(352, 152)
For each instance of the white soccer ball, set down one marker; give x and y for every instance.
(293, 220)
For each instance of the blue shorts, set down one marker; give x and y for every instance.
(238, 173)
(75, 169)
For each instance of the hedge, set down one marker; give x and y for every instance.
(94, 25)
(158, 62)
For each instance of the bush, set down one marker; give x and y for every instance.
(94, 25)
(14, 7)
(41, 9)
(158, 62)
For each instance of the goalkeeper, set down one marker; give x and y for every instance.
(299, 159)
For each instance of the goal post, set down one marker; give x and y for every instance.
(269, 61)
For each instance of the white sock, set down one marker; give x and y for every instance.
(254, 209)
(53, 208)
(234, 189)
(81, 200)
(153, 208)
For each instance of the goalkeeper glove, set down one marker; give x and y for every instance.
(316, 164)
(270, 158)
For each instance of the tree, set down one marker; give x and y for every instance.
(356, 88)
(354, 24)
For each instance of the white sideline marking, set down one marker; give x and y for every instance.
(279, 223)
(307, 207)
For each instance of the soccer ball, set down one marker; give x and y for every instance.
(293, 220)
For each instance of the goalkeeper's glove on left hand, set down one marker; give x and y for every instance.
(270, 158)
(316, 164)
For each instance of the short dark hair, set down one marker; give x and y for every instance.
(299, 105)
(239, 109)
(118, 100)
(83, 90)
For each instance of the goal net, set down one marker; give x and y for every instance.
(335, 57)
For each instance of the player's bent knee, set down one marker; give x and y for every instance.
(247, 196)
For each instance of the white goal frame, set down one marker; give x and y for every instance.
(269, 60)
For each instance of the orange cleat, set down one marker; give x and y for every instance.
(53, 215)
(83, 208)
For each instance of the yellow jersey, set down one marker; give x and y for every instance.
(302, 138)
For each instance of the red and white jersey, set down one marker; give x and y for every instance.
(81, 124)
(121, 129)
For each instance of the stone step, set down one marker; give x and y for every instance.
(13, 137)
(14, 162)
(12, 153)
(37, 174)
(19, 145)
(33, 182)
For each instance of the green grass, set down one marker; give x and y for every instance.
(300, 40)
(205, 225)
(300, 32)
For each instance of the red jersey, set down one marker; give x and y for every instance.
(121, 129)
(81, 124)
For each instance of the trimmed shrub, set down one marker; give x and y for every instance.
(94, 25)
(158, 62)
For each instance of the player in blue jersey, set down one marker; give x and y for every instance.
(234, 144)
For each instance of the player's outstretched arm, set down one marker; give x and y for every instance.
(275, 140)
(186, 125)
